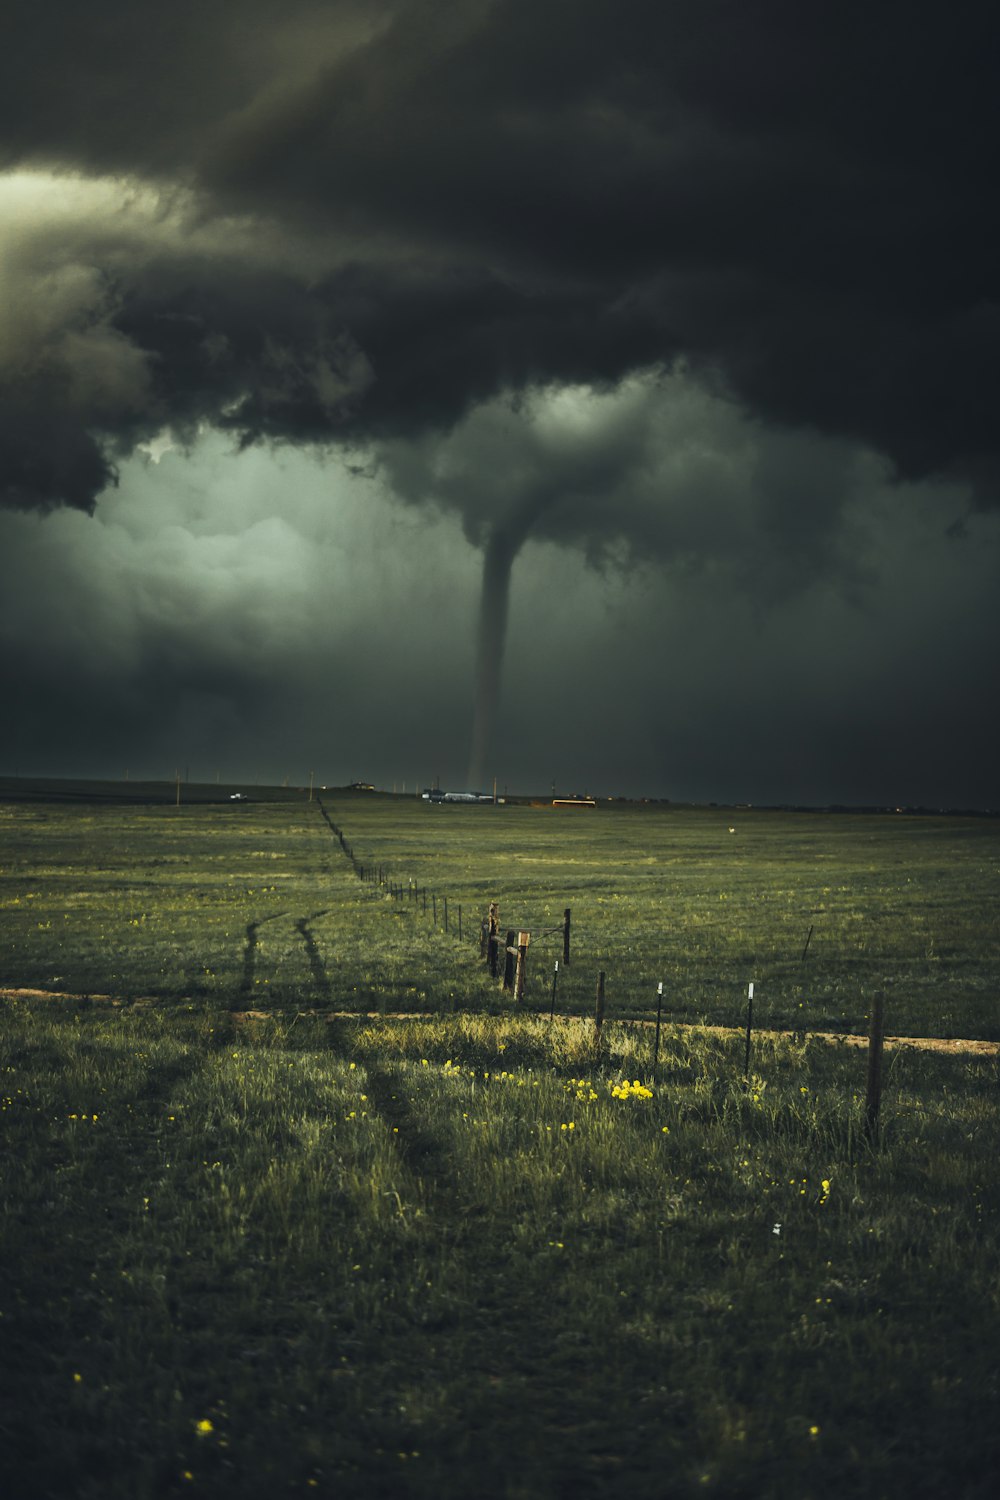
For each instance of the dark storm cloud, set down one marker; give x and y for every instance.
(436, 204)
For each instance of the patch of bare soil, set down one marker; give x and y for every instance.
(842, 1038)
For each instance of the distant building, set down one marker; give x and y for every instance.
(434, 794)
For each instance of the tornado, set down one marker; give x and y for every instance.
(502, 546)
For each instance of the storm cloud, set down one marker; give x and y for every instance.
(668, 288)
(416, 207)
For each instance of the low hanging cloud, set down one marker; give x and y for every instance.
(342, 222)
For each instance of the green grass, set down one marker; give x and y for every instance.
(258, 1241)
(246, 905)
(906, 904)
(376, 1259)
(258, 905)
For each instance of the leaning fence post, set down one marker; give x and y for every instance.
(492, 941)
(873, 1098)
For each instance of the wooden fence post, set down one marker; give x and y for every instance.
(873, 1098)
(520, 979)
(656, 1042)
(555, 981)
(460, 921)
(510, 955)
(566, 938)
(746, 1055)
(446, 913)
(492, 939)
(599, 1011)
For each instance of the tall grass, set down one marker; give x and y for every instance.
(466, 1255)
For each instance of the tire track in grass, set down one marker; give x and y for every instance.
(481, 1313)
(421, 1150)
(321, 978)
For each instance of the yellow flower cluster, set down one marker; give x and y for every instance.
(626, 1090)
(580, 1088)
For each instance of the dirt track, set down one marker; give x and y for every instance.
(921, 1043)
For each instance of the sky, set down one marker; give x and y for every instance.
(591, 396)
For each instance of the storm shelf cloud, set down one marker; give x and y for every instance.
(669, 330)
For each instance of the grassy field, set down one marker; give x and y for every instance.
(259, 903)
(254, 1244)
(462, 1256)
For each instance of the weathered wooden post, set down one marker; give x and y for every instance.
(555, 981)
(492, 941)
(446, 913)
(510, 954)
(599, 1011)
(425, 901)
(656, 1041)
(746, 1055)
(873, 1098)
(460, 921)
(566, 937)
(520, 978)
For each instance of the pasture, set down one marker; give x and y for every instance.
(262, 1236)
(258, 903)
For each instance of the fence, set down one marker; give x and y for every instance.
(515, 947)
